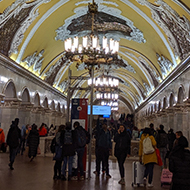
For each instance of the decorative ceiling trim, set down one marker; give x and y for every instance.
(176, 28)
(98, 2)
(63, 33)
(145, 72)
(17, 40)
(182, 6)
(143, 15)
(34, 29)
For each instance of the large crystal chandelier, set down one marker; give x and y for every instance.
(91, 50)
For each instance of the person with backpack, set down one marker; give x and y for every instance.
(162, 144)
(68, 140)
(56, 147)
(152, 130)
(82, 138)
(147, 154)
(13, 140)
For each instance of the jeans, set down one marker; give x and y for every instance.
(68, 159)
(149, 172)
(163, 152)
(121, 159)
(12, 154)
(102, 155)
(80, 153)
(103, 165)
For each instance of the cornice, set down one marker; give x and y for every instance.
(180, 69)
(14, 67)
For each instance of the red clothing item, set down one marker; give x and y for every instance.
(42, 132)
(2, 136)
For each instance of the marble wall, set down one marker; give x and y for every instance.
(170, 105)
(25, 96)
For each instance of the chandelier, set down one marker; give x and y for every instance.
(91, 50)
(104, 82)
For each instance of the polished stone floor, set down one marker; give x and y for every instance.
(37, 175)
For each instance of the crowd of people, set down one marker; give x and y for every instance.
(70, 141)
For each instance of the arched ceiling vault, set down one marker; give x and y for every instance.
(154, 37)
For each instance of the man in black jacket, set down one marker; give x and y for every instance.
(82, 138)
(13, 140)
(162, 144)
(103, 146)
(179, 163)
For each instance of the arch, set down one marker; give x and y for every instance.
(155, 107)
(36, 100)
(63, 109)
(164, 103)
(52, 105)
(58, 107)
(180, 95)
(10, 90)
(171, 100)
(152, 109)
(159, 106)
(45, 103)
(25, 95)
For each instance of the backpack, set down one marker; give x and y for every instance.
(163, 139)
(68, 137)
(147, 146)
(52, 146)
(81, 137)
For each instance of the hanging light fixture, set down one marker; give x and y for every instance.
(93, 51)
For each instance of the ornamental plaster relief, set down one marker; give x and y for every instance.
(35, 60)
(21, 14)
(175, 27)
(63, 33)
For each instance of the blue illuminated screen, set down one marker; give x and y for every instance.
(100, 110)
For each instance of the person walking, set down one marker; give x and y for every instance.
(68, 150)
(82, 138)
(58, 152)
(2, 140)
(179, 163)
(13, 140)
(162, 144)
(33, 142)
(171, 139)
(147, 155)
(104, 145)
(122, 150)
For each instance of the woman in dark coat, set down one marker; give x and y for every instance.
(58, 152)
(122, 149)
(33, 142)
(179, 163)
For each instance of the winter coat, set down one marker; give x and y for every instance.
(14, 136)
(68, 149)
(147, 158)
(179, 165)
(42, 131)
(33, 142)
(103, 138)
(160, 141)
(2, 136)
(58, 147)
(171, 139)
(75, 136)
(123, 143)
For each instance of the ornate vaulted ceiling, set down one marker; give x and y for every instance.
(154, 37)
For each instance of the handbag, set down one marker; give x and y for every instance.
(160, 163)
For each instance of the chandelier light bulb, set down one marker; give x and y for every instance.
(94, 42)
(111, 44)
(76, 42)
(104, 42)
(85, 41)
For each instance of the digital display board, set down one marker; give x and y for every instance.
(100, 110)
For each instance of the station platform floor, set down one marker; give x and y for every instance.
(38, 175)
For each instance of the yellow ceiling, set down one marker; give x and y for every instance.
(155, 22)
